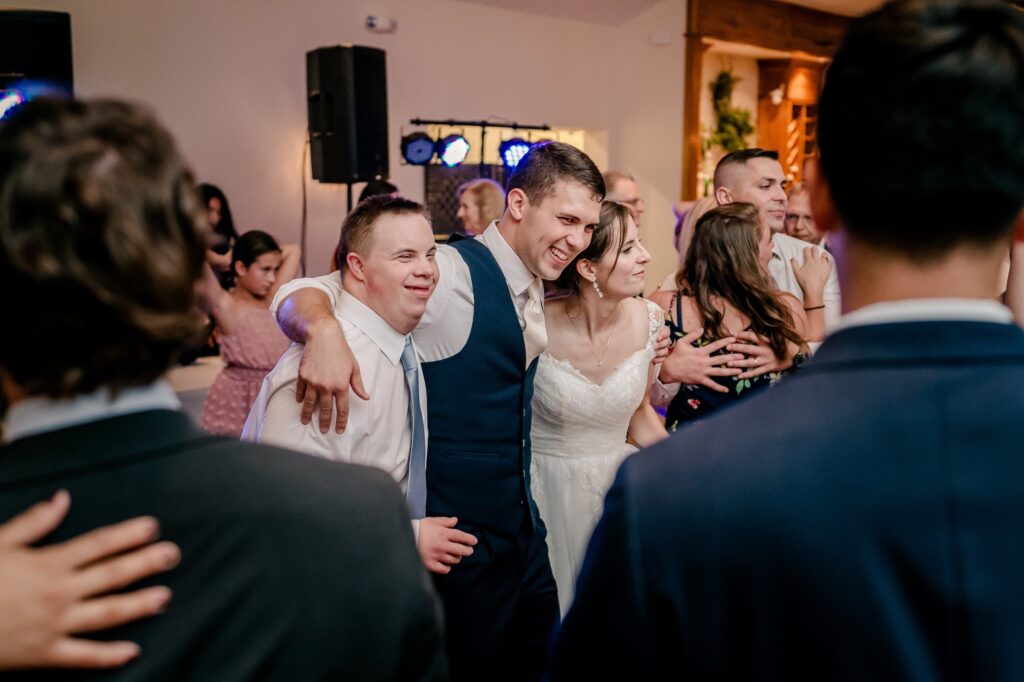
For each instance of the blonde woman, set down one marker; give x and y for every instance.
(481, 202)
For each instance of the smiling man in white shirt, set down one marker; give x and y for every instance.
(752, 176)
(386, 264)
(755, 176)
(479, 341)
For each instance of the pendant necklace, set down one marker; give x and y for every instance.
(586, 339)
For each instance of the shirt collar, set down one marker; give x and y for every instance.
(40, 414)
(516, 273)
(927, 310)
(390, 342)
(776, 249)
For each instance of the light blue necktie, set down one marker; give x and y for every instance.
(417, 494)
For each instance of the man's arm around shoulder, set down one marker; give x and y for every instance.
(305, 313)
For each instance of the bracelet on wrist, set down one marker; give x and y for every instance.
(814, 307)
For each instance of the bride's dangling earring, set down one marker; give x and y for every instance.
(597, 289)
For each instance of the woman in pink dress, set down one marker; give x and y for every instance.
(250, 340)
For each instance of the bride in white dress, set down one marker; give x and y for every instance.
(591, 388)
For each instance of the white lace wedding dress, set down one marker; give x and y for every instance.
(579, 441)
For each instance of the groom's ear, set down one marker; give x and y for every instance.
(517, 203)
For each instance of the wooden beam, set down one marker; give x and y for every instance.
(691, 114)
(694, 55)
(770, 24)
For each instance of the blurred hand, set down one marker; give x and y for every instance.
(812, 274)
(697, 366)
(441, 545)
(49, 594)
(326, 371)
(662, 346)
(760, 358)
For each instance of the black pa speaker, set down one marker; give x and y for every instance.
(36, 46)
(346, 87)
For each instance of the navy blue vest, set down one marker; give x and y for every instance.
(478, 412)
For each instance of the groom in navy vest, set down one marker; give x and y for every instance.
(479, 341)
(863, 519)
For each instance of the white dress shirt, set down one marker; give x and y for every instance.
(36, 415)
(448, 320)
(784, 248)
(927, 310)
(378, 432)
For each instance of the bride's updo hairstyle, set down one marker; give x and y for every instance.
(609, 233)
(722, 263)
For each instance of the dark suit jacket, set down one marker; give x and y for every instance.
(862, 520)
(293, 567)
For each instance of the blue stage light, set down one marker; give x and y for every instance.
(23, 91)
(8, 102)
(452, 150)
(418, 148)
(512, 151)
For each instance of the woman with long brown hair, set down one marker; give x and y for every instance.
(723, 288)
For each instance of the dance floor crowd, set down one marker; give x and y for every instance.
(510, 456)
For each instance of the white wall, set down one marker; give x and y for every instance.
(228, 78)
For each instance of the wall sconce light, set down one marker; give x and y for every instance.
(778, 94)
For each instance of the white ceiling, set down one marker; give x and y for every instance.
(613, 12)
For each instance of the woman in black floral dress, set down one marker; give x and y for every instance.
(724, 287)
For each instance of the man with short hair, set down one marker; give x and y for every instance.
(478, 364)
(752, 176)
(622, 188)
(865, 518)
(292, 567)
(387, 268)
(755, 176)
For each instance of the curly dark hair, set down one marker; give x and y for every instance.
(722, 262)
(102, 239)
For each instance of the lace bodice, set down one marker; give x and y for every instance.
(574, 417)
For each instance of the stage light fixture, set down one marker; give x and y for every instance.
(452, 150)
(512, 151)
(418, 148)
(23, 91)
(8, 102)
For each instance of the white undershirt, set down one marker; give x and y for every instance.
(785, 248)
(36, 415)
(927, 310)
